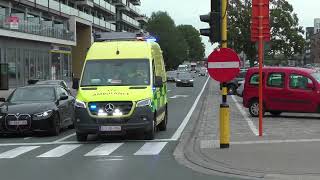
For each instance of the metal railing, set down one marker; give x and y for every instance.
(37, 29)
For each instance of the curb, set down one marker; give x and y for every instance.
(188, 152)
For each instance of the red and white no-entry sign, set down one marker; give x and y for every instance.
(223, 64)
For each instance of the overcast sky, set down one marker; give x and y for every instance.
(188, 11)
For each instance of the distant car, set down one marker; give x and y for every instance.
(184, 79)
(171, 76)
(240, 88)
(37, 108)
(55, 82)
(203, 72)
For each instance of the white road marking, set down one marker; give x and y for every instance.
(60, 151)
(215, 143)
(153, 148)
(26, 138)
(223, 65)
(17, 151)
(169, 90)
(179, 96)
(104, 149)
(77, 142)
(185, 121)
(66, 137)
(245, 115)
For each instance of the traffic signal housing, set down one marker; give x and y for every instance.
(214, 21)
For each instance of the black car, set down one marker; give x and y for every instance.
(37, 108)
(55, 82)
(184, 79)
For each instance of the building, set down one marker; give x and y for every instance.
(315, 48)
(307, 56)
(316, 25)
(48, 39)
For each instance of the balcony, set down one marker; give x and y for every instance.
(130, 21)
(134, 9)
(121, 3)
(142, 19)
(84, 3)
(136, 2)
(37, 29)
(105, 6)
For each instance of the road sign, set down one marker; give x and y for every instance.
(223, 64)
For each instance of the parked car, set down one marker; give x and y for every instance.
(37, 108)
(235, 83)
(171, 76)
(56, 82)
(285, 89)
(184, 79)
(240, 88)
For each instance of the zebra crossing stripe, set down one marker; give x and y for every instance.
(104, 149)
(60, 151)
(17, 151)
(152, 148)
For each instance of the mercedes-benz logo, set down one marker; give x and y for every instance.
(109, 108)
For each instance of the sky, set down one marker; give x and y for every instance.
(188, 11)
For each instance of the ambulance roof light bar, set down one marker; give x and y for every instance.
(122, 36)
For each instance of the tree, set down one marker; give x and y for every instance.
(286, 34)
(192, 36)
(172, 42)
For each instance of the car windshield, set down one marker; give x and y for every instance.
(316, 76)
(116, 73)
(184, 76)
(31, 94)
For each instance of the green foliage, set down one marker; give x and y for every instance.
(192, 36)
(173, 40)
(286, 34)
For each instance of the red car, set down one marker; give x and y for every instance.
(285, 89)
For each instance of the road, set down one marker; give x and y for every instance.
(62, 157)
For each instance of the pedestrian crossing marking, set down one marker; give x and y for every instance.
(60, 150)
(104, 149)
(17, 151)
(152, 148)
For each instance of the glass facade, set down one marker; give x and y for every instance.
(26, 64)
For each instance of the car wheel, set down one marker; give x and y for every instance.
(254, 108)
(149, 135)
(275, 113)
(163, 125)
(56, 126)
(71, 126)
(81, 136)
(177, 85)
(232, 89)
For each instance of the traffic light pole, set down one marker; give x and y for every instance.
(224, 107)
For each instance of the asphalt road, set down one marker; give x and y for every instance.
(131, 157)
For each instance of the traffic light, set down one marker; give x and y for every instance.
(214, 20)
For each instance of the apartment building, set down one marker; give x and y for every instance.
(48, 39)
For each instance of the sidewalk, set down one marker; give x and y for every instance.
(249, 156)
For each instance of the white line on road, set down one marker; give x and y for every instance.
(66, 137)
(104, 149)
(77, 142)
(185, 121)
(245, 115)
(152, 148)
(60, 151)
(178, 96)
(26, 138)
(17, 151)
(209, 144)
